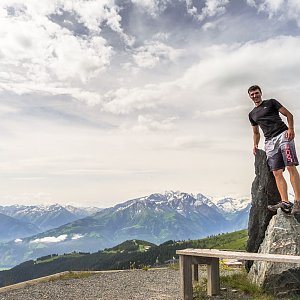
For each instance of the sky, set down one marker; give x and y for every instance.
(102, 101)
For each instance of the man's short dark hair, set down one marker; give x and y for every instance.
(254, 88)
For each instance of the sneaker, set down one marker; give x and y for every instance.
(296, 208)
(285, 207)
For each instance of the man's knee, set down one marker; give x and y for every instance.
(278, 173)
(292, 169)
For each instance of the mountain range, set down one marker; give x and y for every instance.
(155, 218)
(9, 227)
(21, 221)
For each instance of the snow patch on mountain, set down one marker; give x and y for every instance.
(184, 202)
(231, 205)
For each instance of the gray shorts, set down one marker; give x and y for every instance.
(281, 152)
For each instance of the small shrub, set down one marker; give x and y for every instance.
(73, 275)
(236, 281)
(240, 282)
(174, 266)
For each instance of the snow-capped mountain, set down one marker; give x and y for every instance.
(45, 217)
(183, 204)
(231, 205)
(82, 212)
(206, 200)
(155, 218)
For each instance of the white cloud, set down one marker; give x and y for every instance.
(211, 8)
(148, 122)
(37, 54)
(227, 65)
(189, 142)
(93, 13)
(51, 239)
(195, 142)
(209, 26)
(77, 58)
(18, 241)
(283, 9)
(251, 2)
(267, 5)
(77, 236)
(28, 178)
(114, 22)
(173, 102)
(26, 198)
(163, 36)
(222, 112)
(224, 66)
(153, 7)
(6, 109)
(45, 52)
(126, 101)
(155, 52)
(146, 59)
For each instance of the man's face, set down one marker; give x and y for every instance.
(256, 96)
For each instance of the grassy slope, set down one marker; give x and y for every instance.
(122, 256)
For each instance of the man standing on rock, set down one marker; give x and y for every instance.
(279, 146)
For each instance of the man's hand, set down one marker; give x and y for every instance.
(254, 149)
(290, 134)
(290, 119)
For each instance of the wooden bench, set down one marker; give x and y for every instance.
(190, 258)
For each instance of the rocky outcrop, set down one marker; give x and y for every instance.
(270, 233)
(282, 237)
(263, 192)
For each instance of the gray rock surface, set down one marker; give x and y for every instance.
(282, 237)
(263, 192)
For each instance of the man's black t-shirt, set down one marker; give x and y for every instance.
(266, 115)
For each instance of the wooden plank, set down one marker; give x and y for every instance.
(186, 284)
(240, 255)
(195, 272)
(201, 260)
(213, 278)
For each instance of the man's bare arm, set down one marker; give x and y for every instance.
(256, 138)
(290, 120)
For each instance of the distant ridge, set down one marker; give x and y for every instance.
(11, 227)
(155, 218)
(44, 217)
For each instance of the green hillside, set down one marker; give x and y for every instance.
(133, 253)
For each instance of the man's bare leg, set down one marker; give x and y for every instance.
(295, 181)
(281, 184)
(285, 205)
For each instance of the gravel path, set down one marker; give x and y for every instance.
(156, 284)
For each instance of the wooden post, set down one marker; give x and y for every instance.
(186, 284)
(195, 272)
(213, 277)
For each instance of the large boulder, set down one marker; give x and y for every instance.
(263, 192)
(282, 237)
